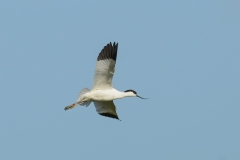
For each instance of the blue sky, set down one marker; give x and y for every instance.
(184, 56)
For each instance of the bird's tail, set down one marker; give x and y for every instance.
(80, 96)
(80, 100)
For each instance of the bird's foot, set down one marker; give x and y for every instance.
(70, 106)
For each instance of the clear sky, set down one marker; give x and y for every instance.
(183, 55)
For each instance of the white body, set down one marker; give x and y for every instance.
(103, 93)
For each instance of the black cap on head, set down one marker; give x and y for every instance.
(130, 90)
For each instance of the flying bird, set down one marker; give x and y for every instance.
(103, 93)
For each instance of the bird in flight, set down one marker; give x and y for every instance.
(103, 93)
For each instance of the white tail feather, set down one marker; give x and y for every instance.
(80, 96)
(85, 103)
(82, 92)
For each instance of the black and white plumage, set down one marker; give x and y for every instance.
(103, 93)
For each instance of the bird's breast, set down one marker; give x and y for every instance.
(102, 95)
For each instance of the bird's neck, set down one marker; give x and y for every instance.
(119, 94)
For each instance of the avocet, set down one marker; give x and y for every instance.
(103, 93)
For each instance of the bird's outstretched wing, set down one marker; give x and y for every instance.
(105, 67)
(106, 108)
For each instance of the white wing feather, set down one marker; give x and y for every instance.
(103, 74)
(106, 108)
(105, 67)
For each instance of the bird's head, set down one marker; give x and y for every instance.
(133, 93)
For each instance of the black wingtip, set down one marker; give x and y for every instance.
(109, 52)
(109, 115)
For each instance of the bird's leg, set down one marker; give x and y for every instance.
(70, 106)
(81, 102)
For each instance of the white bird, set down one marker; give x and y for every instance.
(103, 93)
